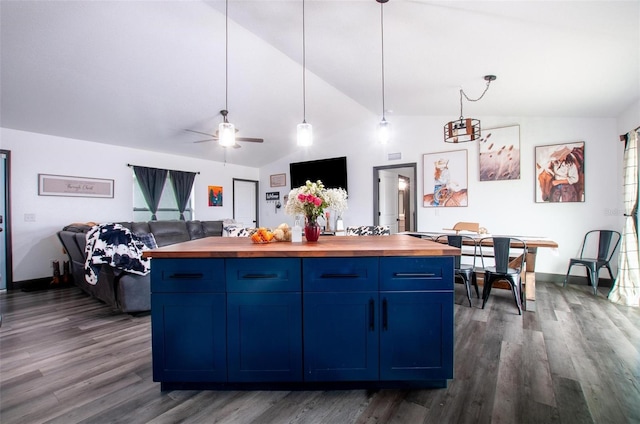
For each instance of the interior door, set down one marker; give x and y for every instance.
(388, 199)
(3, 220)
(245, 202)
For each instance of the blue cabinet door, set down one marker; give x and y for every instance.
(416, 335)
(264, 337)
(341, 336)
(189, 337)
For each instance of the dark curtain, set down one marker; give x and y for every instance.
(151, 181)
(182, 183)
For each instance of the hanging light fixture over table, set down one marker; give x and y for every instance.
(384, 127)
(226, 130)
(304, 129)
(465, 129)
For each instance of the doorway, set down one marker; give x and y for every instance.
(392, 205)
(6, 276)
(245, 202)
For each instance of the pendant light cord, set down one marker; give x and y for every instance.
(462, 93)
(304, 67)
(226, 58)
(382, 44)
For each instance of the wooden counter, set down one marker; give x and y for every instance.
(327, 246)
(366, 311)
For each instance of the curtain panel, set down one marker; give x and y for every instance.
(626, 288)
(182, 183)
(151, 181)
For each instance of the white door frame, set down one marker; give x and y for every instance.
(413, 192)
(257, 215)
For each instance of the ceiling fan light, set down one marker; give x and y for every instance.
(226, 134)
(305, 134)
(384, 131)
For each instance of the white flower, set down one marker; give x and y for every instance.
(311, 199)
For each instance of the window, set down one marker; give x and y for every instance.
(167, 209)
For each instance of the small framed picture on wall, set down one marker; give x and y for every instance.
(560, 173)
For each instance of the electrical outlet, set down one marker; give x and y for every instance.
(29, 217)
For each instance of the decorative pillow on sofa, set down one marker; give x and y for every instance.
(148, 239)
(233, 231)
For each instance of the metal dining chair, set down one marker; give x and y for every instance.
(466, 272)
(505, 269)
(596, 251)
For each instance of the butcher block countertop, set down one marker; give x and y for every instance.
(326, 246)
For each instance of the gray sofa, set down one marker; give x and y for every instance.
(125, 291)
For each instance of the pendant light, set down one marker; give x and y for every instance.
(226, 130)
(384, 127)
(304, 129)
(468, 129)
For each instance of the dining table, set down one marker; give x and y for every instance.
(533, 243)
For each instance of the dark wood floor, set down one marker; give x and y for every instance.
(66, 358)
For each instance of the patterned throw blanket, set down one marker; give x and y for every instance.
(117, 246)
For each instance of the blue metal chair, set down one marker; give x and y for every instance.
(596, 252)
(504, 268)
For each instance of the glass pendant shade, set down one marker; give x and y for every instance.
(462, 130)
(384, 131)
(226, 134)
(305, 134)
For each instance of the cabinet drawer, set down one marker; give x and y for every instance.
(263, 275)
(416, 273)
(187, 275)
(340, 274)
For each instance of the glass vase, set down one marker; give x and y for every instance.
(311, 229)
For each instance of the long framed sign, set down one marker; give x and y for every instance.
(61, 185)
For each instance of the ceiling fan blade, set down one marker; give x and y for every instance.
(203, 141)
(253, 140)
(203, 133)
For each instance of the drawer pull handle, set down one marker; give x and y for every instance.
(385, 315)
(186, 276)
(339, 276)
(372, 315)
(414, 274)
(259, 276)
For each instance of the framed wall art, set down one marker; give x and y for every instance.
(499, 154)
(445, 179)
(61, 185)
(560, 173)
(278, 180)
(215, 195)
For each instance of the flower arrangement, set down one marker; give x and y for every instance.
(312, 199)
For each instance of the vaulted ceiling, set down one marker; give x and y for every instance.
(138, 73)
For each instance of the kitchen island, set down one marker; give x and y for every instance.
(364, 311)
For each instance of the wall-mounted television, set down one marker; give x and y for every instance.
(332, 172)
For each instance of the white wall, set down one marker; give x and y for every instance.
(35, 244)
(503, 207)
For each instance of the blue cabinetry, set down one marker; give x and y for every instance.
(264, 320)
(252, 320)
(188, 320)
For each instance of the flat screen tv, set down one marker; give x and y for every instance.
(332, 172)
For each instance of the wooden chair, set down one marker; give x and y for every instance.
(473, 227)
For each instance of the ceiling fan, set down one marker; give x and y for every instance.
(214, 137)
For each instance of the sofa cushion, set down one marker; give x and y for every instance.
(195, 230)
(140, 228)
(212, 228)
(169, 232)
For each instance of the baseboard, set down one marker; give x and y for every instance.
(573, 279)
(38, 284)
